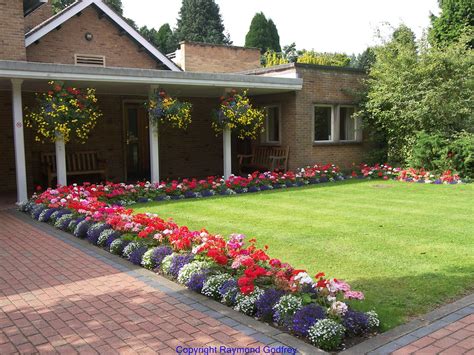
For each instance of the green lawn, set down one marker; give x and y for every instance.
(408, 247)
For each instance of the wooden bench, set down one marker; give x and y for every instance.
(77, 163)
(264, 158)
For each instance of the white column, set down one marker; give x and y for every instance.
(154, 146)
(20, 162)
(61, 161)
(227, 145)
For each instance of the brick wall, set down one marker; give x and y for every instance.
(59, 46)
(210, 58)
(12, 39)
(39, 15)
(323, 86)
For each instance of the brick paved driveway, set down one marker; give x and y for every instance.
(56, 297)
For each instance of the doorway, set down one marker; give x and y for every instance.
(137, 142)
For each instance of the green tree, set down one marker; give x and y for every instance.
(365, 60)
(407, 92)
(166, 39)
(200, 21)
(263, 34)
(456, 17)
(274, 36)
(405, 37)
(59, 5)
(163, 39)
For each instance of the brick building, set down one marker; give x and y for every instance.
(88, 45)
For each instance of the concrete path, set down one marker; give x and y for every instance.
(61, 294)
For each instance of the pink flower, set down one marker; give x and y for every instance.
(354, 295)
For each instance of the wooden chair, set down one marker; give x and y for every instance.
(77, 163)
(264, 158)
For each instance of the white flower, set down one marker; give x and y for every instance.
(338, 308)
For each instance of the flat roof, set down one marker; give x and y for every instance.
(283, 67)
(116, 77)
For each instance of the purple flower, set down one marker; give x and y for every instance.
(110, 239)
(206, 193)
(264, 305)
(306, 317)
(72, 225)
(228, 291)
(61, 213)
(46, 214)
(254, 189)
(178, 262)
(356, 323)
(36, 211)
(94, 231)
(81, 229)
(159, 254)
(64, 223)
(137, 255)
(196, 281)
(142, 200)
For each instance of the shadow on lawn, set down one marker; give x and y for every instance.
(398, 300)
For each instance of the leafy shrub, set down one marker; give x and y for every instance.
(437, 153)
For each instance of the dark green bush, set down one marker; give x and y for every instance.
(436, 152)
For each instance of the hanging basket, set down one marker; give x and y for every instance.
(64, 112)
(169, 112)
(236, 113)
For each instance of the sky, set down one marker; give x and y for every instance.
(347, 26)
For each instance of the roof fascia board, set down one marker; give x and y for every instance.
(63, 17)
(35, 75)
(135, 35)
(74, 10)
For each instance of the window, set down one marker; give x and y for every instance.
(347, 123)
(272, 125)
(323, 123)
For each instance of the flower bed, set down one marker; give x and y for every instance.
(231, 270)
(142, 192)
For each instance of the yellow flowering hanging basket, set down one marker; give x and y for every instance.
(64, 112)
(169, 111)
(236, 113)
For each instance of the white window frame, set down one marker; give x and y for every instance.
(333, 124)
(356, 124)
(265, 136)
